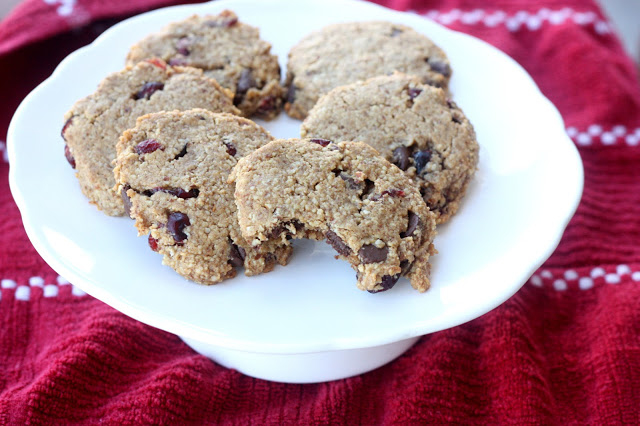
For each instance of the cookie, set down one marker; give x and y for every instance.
(227, 50)
(413, 125)
(94, 124)
(341, 54)
(172, 169)
(366, 208)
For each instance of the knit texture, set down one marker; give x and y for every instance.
(564, 350)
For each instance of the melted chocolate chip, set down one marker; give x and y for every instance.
(414, 220)
(337, 243)
(420, 159)
(441, 68)
(231, 148)
(176, 192)
(401, 157)
(373, 254)
(182, 152)
(183, 46)
(388, 281)
(245, 82)
(236, 255)
(405, 267)
(148, 89)
(175, 225)
(69, 156)
(291, 94)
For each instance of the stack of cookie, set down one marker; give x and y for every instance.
(384, 154)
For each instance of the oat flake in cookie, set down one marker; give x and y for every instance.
(365, 207)
(173, 169)
(94, 124)
(341, 54)
(411, 124)
(227, 50)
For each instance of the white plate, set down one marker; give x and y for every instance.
(527, 188)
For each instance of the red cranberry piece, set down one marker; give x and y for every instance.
(395, 193)
(225, 19)
(175, 225)
(69, 156)
(236, 255)
(413, 93)
(183, 45)
(148, 146)
(153, 243)
(373, 254)
(337, 243)
(231, 148)
(64, 129)
(179, 62)
(388, 281)
(321, 142)
(401, 157)
(158, 63)
(414, 220)
(266, 105)
(420, 159)
(148, 89)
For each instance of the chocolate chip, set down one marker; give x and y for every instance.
(148, 146)
(337, 243)
(176, 192)
(373, 254)
(405, 267)
(414, 220)
(395, 32)
(451, 104)
(182, 152)
(153, 243)
(420, 159)
(64, 129)
(440, 68)
(291, 93)
(69, 156)
(231, 148)
(401, 157)
(456, 119)
(126, 200)
(236, 255)
(148, 89)
(320, 141)
(245, 82)
(351, 182)
(413, 93)
(175, 225)
(388, 281)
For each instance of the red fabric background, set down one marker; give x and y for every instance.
(564, 349)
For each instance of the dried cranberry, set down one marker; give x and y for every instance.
(148, 146)
(229, 19)
(373, 254)
(177, 192)
(413, 93)
(401, 157)
(148, 89)
(177, 62)
(321, 142)
(153, 243)
(337, 243)
(64, 128)
(157, 62)
(266, 105)
(69, 156)
(420, 159)
(183, 45)
(231, 148)
(414, 219)
(176, 223)
(394, 193)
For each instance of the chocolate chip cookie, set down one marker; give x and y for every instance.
(365, 207)
(172, 171)
(94, 124)
(227, 50)
(413, 125)
(340, 54)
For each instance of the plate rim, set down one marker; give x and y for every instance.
(198, 333)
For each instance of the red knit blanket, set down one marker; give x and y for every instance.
(564, 349)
